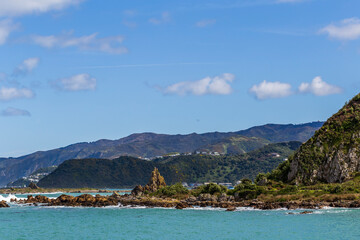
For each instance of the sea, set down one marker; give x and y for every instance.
(117, 222)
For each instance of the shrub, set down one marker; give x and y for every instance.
(289, 189)
(246, 194)
(260, 177)
(247, 190)
(211, 188)
(172, 190)
(246, 181)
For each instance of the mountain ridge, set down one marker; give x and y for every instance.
(145, 145)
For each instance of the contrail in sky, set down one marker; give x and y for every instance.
(146, 65)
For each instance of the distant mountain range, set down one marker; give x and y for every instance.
(148, 145)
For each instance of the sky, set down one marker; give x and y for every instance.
(83, 70)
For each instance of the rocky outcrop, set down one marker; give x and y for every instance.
(3, 204)
(155, 183)
(333, 153)
(37, 199)
(85, 200)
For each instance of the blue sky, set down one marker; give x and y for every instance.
(82, 70)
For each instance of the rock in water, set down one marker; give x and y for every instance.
(33, 186)
(155, 183)
(231, 209)
(3, 204)
(332, 154)
(306, 212)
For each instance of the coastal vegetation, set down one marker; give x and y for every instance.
(270, 191)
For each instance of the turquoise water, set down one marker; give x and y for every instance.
(30, 222)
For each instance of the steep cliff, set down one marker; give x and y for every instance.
(333, 153)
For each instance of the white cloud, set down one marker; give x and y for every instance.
(347, 29)
(89, 42)
(14, 112)
(219, 85)
(23, 7)
(206, 22)
(165, 17)
(77, 83)
(6, 27)
(3, 77)
(10, 93)
(26, 66)
(130, 24)
(319, 88)
(130, 13)
(267, 90)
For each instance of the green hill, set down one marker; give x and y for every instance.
(128, 171)
(332, 154)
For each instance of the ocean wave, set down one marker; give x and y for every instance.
(9, 197)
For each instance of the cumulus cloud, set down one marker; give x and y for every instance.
(26, 66)
(80, 82)
(14, 112)
(130, 24)
(219, 85)
(165, 17)
(23, 7)
(206, 22)
(6, 27)
(347, 29)
(267, 90)
(130, 13)
(319, 88)
(10, 93)
(3, 77)
(89, 42)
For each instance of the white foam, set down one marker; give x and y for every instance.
(9, 197)
(247, 209)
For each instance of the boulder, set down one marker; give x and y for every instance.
(223, 198)
(207, 197)
(37, 199)
(3, 204)
(191, 199)
(115, 195)
(306, 212)
(231, 209)
(137, 191)
(181, 205)
(65, 198)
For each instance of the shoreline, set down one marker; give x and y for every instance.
(87, 200)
